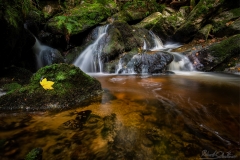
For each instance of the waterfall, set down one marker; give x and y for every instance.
(38, 50)
(90, 59)
(158, 45)
(144, 45)
(44, 55)
(180, 63)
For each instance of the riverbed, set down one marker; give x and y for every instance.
(186, 115)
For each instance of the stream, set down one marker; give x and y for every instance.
(186, 115)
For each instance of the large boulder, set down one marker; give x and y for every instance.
(226, 23)
(166, 23)
(217, 56)
(71, 87)
(78, 19)
(147, 62)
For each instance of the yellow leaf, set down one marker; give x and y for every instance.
(46, 84)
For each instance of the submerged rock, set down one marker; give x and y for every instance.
(71, 86)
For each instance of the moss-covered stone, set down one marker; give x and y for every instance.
(79, 18)
(149, 21)
(225, 21)
(216, 55)
(71, 87)
(204, 32)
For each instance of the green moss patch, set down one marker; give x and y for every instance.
(79, 18)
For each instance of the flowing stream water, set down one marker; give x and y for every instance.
(186, 115)
(189, 115)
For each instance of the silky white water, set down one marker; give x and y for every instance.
(90, 59)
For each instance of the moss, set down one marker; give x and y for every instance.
(11, 87)
(223, 18)
(226, 47)
(34, 154)
(79, 18)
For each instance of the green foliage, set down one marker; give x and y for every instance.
(11, 87)
(15, 11)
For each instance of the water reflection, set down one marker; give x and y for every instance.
(140, 117)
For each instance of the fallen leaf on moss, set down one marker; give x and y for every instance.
(46, 84)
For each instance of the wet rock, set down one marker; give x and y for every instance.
(146, 142)
(109, 130)
(150, 63)
(79, 121)
(155, 134)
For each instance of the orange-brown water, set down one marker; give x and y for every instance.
(156, 117)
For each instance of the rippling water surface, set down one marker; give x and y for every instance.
(187, 115)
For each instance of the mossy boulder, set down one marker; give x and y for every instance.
(166, 26)
(129, 15)
(71, 87)
(78, 19)
(204, 32)
(216, 56)
(226, 23)
(150, 21)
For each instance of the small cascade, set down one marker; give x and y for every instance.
(45, 55)
(90, 59)
(180, 63)
(38, 50)
(119, 67)
(144, 45)
(158, 45)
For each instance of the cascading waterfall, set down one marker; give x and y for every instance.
(90, 59)
(180, 63)
(38, 50)
(45, 55)
(158, 45)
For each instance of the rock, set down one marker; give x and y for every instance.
(213, 57)
(150, 62)
(51, 9)
(196, 19)
(204, 32)
(226, 23)
(71, 87)
(35, 154)
(78, 19)
(78, 122)
(129, 15)
(149, 21)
